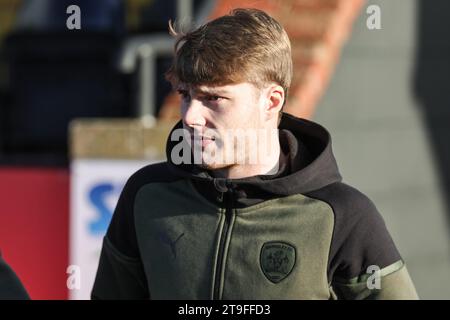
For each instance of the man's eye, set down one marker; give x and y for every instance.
(213, 98)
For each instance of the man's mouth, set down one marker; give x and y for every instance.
(202, 140)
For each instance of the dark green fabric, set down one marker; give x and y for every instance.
(178, 234)
(121, 277)
(162, 213)
(176, 208)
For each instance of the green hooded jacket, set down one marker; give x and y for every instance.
(179, 233)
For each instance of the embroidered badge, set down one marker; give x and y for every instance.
(277, 260)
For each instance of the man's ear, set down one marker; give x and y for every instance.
(274, 101)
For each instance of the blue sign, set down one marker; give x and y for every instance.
(98, 195)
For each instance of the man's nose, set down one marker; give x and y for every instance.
(192, 115)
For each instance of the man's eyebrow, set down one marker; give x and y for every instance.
(206, 91)
(211, 91)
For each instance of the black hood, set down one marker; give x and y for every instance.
(307, 163)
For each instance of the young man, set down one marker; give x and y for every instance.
(250, 203)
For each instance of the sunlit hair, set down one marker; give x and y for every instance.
(246, 45)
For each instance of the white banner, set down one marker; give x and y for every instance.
(95, 189)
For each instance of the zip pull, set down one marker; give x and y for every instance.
(221, 185)
(231, 188)
(220, 197)
(224, 185)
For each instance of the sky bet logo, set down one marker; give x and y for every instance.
(103, 198)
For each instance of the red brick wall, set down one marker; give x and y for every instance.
(317, 29)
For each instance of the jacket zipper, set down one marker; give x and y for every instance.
(223, 238)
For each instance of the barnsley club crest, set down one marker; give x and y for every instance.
(277, 260)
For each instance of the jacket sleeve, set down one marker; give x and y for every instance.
(10, 286)
(364, 262)
(120, 273)
(118, 276)
(390, 283)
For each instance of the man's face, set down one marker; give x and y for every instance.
(218, 115)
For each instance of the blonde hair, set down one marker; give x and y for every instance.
(246, 45)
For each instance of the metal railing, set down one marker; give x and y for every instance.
(142, 51)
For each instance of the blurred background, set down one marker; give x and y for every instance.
(81, 109)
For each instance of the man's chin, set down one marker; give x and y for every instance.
(213, 166)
